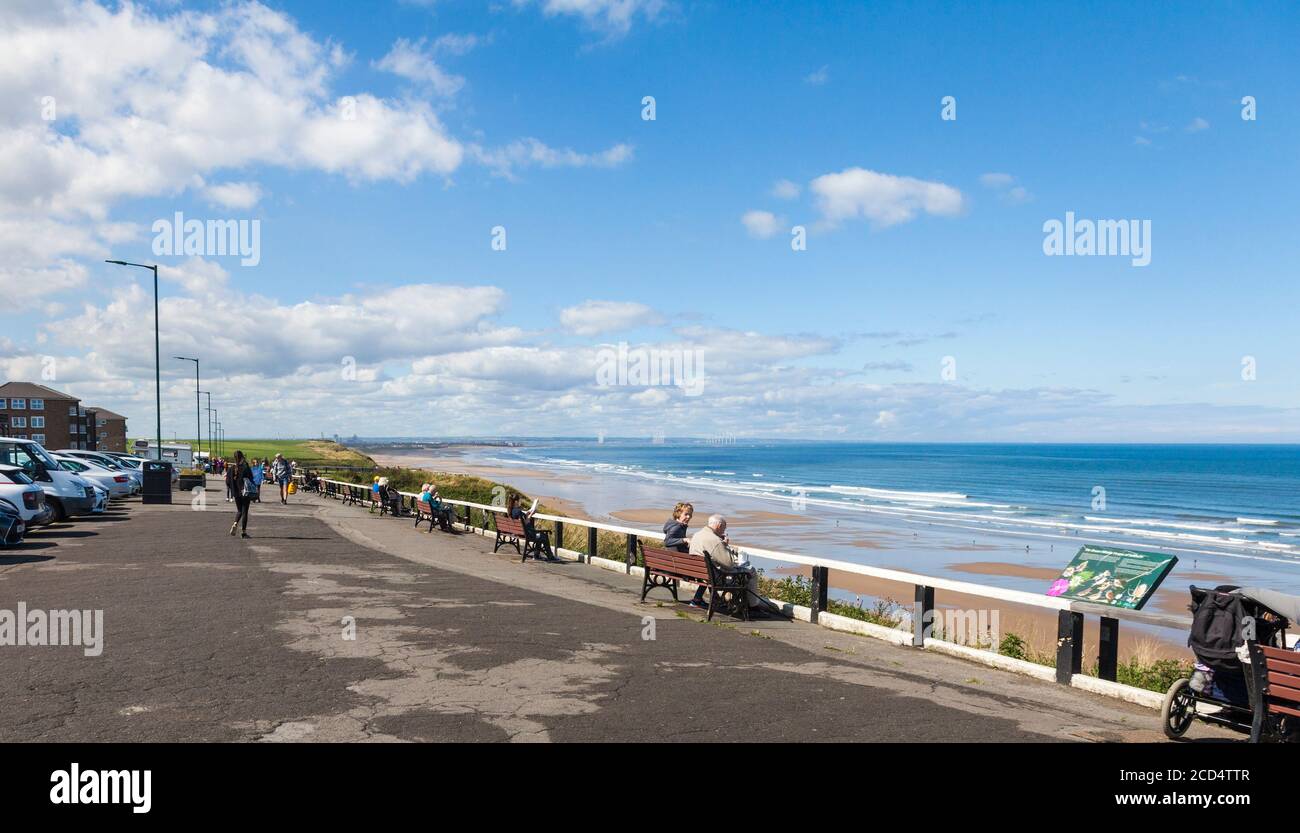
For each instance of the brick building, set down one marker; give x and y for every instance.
(52, 418)
(109, 429)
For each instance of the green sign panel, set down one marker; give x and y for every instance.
(1108, 576)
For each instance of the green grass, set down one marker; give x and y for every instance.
(309, 453)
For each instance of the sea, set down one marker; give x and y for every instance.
(1231, 513)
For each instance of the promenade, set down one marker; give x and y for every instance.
(209, 637)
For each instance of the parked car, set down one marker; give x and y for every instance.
(106, 461)
(12, 527)
(100, 506)
(27, 498)
(67, 493)
(135, 463)
(117, 482)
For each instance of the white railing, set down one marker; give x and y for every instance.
(1070, 614)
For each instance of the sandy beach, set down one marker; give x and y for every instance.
(591, 497)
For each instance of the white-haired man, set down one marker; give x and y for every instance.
(712, 541)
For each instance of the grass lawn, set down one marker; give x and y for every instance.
(314, 453)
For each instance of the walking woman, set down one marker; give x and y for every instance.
(281, 473)
(245, 489)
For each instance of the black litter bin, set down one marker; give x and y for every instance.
(157, 482)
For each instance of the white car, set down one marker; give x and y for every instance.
(116, 482)
(28, 498)
(66, 493)
(136, 464)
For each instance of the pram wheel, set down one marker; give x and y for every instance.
(1179, 710)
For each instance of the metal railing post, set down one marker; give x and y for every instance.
(631, 551)
(591, 543)
(1069, 645)
(1108, 649)
(820, 582)
(922, 614)
(559, 537)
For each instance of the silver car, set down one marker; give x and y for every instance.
(108, 462)
(116, 482)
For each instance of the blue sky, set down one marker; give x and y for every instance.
(1102, 109)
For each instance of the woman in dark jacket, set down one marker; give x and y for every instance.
(675, 538)
(243, 482)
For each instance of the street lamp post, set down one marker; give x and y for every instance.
(198, 407)
(157, 366)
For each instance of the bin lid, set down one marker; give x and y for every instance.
(157, 465)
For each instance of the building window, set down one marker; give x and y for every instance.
(19, 422)
(18, 404)
(38, 404)
(3, 404)
(38, 422)
(40, 438)
(103, 435)
(72, 410)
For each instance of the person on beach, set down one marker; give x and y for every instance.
(712, 541)
(542, 537)
(281, 473)
(675, 538)
(245, 489)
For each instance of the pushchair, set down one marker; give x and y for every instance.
(1243, 678)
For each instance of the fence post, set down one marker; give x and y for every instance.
(1108, 649)
(820, 581)
(922, 614)
(559, 537)
(1069, 645)
(631, 551)
(591, 543)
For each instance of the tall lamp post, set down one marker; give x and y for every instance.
(198, 406)
(210, 411)
(157, 367)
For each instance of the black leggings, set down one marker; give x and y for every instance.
(241, 505)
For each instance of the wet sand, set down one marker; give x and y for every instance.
(815, 534)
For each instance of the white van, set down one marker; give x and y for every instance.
(66, 493)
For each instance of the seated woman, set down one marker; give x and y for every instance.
(541, 537)
(675, 538)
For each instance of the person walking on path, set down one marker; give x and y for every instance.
(245, 490)
(281, 473)
(230, 483)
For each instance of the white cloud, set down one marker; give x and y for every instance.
(996, 181)
(525, 153)
(784, 189)
(883, 199)
(414, 61)
(1005, 185)
(1197, 125)
(818, 78)
(238, 195)
(597, 317)
(613, 17)
(761, 224)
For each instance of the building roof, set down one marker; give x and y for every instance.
(26, 390)
(105, 413)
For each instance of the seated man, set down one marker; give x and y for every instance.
(542, 537)
(712, 542)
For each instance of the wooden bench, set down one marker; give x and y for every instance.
(666, 568)
(510, 532)
(441, 516)
(1277, 687)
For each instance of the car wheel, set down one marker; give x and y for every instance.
(59, 514)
